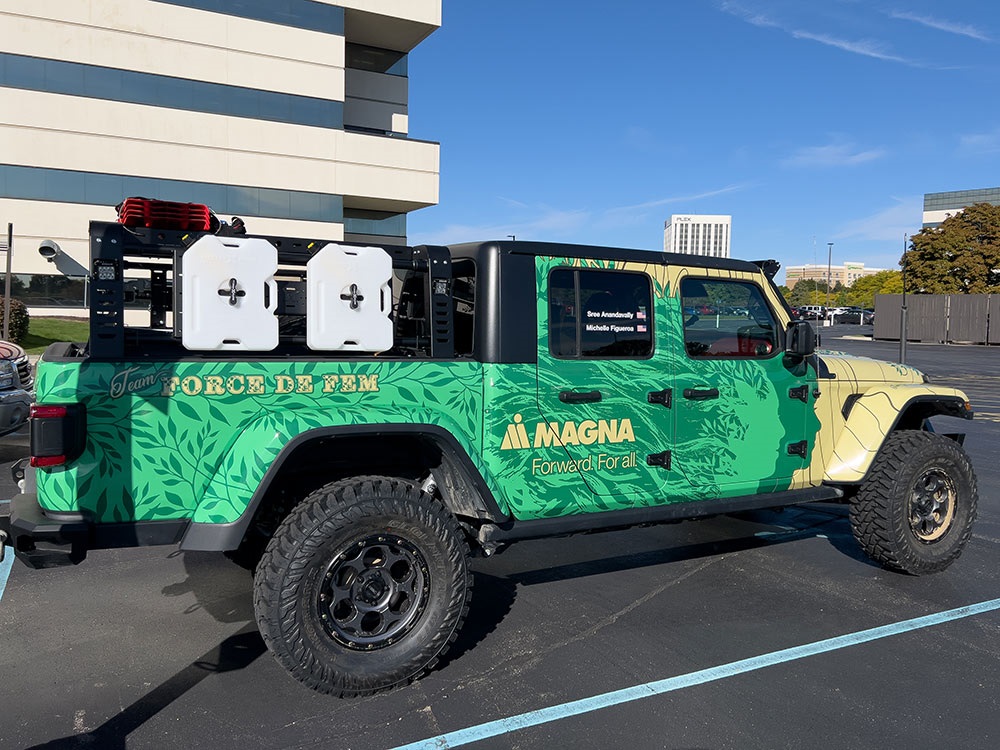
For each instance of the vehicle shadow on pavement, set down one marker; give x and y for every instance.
(494, 596)
(827, 520)
(791, 524)
(221, 588)
(14, 446)
(234, 653)
(492, 600)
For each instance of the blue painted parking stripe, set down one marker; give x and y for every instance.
(614, 698)
(5, 566)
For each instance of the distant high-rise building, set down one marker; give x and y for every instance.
(939, 206)
(697, 234)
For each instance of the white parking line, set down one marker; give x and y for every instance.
(5, 566)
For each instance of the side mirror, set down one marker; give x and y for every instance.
(800, 338)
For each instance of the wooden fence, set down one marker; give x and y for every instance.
(940, 318)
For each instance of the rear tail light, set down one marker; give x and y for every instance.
(58, 432)
(38, 411)
(41, 461)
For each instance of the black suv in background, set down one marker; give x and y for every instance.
(856, 315)
(16, 384)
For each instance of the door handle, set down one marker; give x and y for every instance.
(577, 397)
(701, 394)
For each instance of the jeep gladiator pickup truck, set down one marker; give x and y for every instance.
(355, 422)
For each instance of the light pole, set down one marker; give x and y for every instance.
(6, 283)
(902, 309)
(829, 266)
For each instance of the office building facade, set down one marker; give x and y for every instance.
(845, 274)
(939, 206)
(292, 115)
(698, 234)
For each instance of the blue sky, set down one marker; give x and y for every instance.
(808, 122)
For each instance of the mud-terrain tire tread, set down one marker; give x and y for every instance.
(879, 511)
(335, 511)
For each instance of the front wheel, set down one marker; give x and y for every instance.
(363, 586)
(915, 511)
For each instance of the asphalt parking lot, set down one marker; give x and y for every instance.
(683, 633)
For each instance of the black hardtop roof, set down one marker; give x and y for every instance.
(595, 252)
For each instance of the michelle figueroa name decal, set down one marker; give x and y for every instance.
(616, 321)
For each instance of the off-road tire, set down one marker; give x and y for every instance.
(324, 591)
(914, 512)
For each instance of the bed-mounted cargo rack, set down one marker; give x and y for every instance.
(411, 316)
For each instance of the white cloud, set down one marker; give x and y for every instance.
(981, 143)
(832, 155)
(889, 224)
(555, 225)
(951, 27)
(867, 47)
(512, 202)
(676, 199)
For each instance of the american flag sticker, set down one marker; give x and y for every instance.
(640, 329)
(641, 315)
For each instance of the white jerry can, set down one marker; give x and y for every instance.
(229, 295)
(348, 299)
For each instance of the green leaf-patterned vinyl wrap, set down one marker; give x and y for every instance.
(734, 445)
(194, 438)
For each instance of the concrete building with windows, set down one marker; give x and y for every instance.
(939, 206)
(845, 275)
(697, 234)
(292, 115)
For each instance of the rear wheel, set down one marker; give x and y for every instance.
(915, 511)
(363, 586)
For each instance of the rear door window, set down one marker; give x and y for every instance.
(598, 314)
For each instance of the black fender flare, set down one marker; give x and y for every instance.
(227, 536)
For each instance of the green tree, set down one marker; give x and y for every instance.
(862, 292)
(838, 295)
(962, 255)
(19, 319)
(808, 292)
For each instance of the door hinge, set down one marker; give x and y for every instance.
(799, 449)
(665, 397)
(801, 393)
(659, 459)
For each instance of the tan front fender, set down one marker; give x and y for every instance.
(877, 413)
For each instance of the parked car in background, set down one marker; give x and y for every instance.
(856, 315)
(813, 312)
(16, 383)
